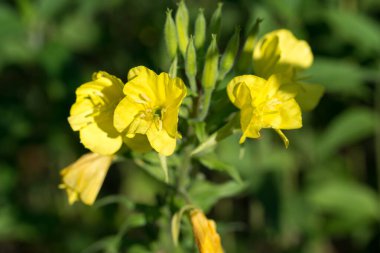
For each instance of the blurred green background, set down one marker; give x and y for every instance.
(320, 195)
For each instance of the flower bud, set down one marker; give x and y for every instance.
(229, 54)
(170, 35)
(216, 20)
(245, 60)
(200, 29)
(191, 64)
(210, 70)
(182, 23)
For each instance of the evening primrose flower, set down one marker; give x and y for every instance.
(280, 51)
(206, 236)
(82, 179)
(150, 108)
(264, 104)
(92, 113)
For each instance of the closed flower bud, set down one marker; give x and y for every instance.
(191, 64)
(210, 70)
(200, 29)
(82, 179)
(216, 20)
(229, 54)
(205, 234)
(170, 35)
(182, 23)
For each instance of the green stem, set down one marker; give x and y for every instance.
(164, 167)
(206, 104)
(193, 85)
(377, 132)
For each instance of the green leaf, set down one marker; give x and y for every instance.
(212, 162)
(349, 204)
(176, 222)
(205, 194)
(210, 143)
(351, 126)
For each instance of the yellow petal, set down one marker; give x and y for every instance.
(83, 178)
(294, 52)
(309, 95)
(280, 50)
(250, 125)
(161, 141)
(206, 236)
(139, 87)
(100, 141)
(81, 114)
(287, 115)
(125, 113)
(170, 121)
(239, 94)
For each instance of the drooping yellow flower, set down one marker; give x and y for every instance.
(206, 236)
(264, 104)
(281, 52)
(92, 113)
(278, 52)
(83, 178)
(150, 108)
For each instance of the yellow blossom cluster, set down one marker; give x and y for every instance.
(143, 112)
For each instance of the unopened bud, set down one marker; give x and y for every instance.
(216, 20)
(229, 54)
(210, 70)
(191, 64)
(170, 35)
(200, 29)
(182, 23)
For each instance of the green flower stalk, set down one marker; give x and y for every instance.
(216, 20)
(200, 30)
(229, 55)
(191, 65)
(182, 23)
(170, 35)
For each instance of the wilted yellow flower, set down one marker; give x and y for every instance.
(83, 178)
(150, 108)
(278, 52)
(264, 104)
(206, 236)
(92, 113)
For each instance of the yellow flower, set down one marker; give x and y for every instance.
(281, 52)
(278, 52)
(264, 104)
(92, 113)
(83, 178)
(150, 108)
(206, 236)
